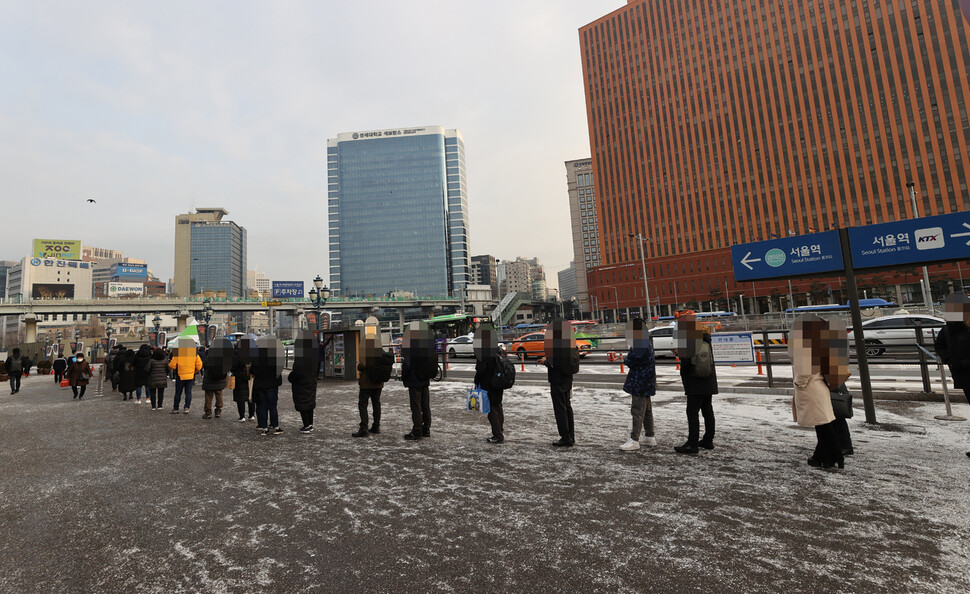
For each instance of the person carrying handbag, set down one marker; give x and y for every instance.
(816, 349)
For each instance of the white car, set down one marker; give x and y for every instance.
(899, 329)
(461, 347)
(663, 339)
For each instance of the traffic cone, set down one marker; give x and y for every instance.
(678, 363)
(621, 367)
(758, 355)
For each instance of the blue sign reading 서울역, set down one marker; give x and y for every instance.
(914, 241)
(797, 255)
(288, 289)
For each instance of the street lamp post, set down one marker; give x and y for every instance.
(562, 309)
(616, 302)
(927, 292)
(157, 322)
(318, 296)
(643, 263)
(207, 310)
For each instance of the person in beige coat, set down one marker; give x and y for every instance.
(816, 369)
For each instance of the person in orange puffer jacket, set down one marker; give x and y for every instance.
(186, 363)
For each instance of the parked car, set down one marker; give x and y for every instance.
(663, 339)
(898, 329)
(461, 347)
(533, 345)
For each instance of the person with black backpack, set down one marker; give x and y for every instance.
(562, 359)
(419, 365)
(494, 373)
(303, 378)
(699, 376)
(374, 368)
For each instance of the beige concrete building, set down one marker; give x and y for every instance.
(585, 224)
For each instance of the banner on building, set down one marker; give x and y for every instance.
(63, 249)
(125, 289)
(52, 291)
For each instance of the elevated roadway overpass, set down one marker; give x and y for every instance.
(32, 308)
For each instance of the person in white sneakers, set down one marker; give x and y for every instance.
(640, 384)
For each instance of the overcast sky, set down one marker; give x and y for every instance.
(154, 108)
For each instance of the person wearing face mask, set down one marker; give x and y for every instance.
(640, 384)
(76, 375)
(953, 341)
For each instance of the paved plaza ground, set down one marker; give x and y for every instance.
(108, 496)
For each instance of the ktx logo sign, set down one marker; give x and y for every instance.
(929, 239)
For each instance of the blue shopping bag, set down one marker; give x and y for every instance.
(477, 400)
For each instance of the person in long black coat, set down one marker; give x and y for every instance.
(157, 377)
(953, 341)
(693, 337)
(240, 373)
(303, 377)
(143, 359)
(126, 374)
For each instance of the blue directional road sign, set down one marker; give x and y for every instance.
(915, 241)
(283, 289)
(798, 255)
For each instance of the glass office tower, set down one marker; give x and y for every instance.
(218, 258)
(398, 212)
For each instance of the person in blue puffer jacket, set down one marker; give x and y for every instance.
(641, 383)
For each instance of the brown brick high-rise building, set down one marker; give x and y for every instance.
(716, 123)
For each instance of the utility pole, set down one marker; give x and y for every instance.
(927, 292)
(643, 264)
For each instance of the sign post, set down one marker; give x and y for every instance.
(924, 240)
(862, 359)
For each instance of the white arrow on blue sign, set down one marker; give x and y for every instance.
(914, 241)
(798, 255)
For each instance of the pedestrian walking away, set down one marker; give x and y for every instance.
(116, 366)
(109, 366)
(186, 363)
(14, 365)
(493, 373)
(561, 357)
(953, 341)
(78, 375)
(699, 377)
(419, 364)
(59, 367)
(814, 374)
(126, 374)
(640, 384)
(241, 394)
(157, 377)
(267, 372)
(142, 362)
(374, 368)
(215, 372)
(303, 377)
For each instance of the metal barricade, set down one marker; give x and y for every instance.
(949, 416)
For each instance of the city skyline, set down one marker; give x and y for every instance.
(152, 113)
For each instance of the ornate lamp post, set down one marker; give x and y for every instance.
(319, 295)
